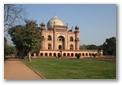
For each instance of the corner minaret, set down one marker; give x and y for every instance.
(76, 37)
(42, 28)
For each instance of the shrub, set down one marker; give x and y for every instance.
(59, 55)
(94, 55)
(77, 55)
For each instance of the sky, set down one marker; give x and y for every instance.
(96, 21)
(104, 31)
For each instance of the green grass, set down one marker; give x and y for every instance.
(54, 68)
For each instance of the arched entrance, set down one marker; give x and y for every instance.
(61, 42)
(68, 54)
(54, 54)
(72, 54)
(41, 54)
(50, 54)
(59, 47)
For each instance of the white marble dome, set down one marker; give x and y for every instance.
(54, 21)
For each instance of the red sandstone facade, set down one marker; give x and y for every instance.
(58, 39)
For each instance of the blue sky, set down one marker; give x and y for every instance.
(96, 21)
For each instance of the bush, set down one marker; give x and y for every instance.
(77, 55)
(94, 55)
(59, 55)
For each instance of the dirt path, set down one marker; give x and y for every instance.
(15, 69)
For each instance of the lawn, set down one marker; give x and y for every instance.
(64, 68)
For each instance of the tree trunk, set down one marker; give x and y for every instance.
(29, 57)
(39, 54)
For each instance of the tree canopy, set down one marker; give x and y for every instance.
(89, 47)
(109, 46)
(8, 49)
(12, 14)
(26, 38)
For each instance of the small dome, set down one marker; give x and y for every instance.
(54, 21)
(76, 27)
(42, 24)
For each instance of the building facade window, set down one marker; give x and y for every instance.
(71, 39)
(42, 37)
(71, 47)
(49, 37)
(49, 46)
(61, 38)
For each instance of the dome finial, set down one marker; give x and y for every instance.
(55, 14)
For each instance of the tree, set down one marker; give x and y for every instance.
(82, 47)
(5, 48)
(59, 55)
(27, 38)
(92, 47)
(89, 47)
(12, 14)
(77, 55)
(8, 49)
(16, 34)
(109, 46)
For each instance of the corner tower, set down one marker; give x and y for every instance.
(76, 37)
(43, 30)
